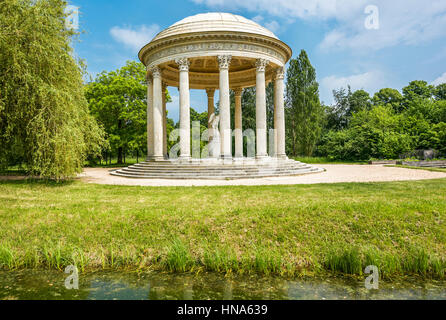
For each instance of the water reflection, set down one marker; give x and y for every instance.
(161, 286)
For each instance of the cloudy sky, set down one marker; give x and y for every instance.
(366, 44)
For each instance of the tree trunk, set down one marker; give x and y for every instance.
(137, 156)
(120, 148)
(120, 155)
(293, 133)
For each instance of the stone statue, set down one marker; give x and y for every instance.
(214, 136)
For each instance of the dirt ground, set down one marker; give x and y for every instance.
(333, 174)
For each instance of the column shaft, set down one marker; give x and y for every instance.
(211, 111)
(164, 123)
(225, 111)
(261, 108)
(157, 115)
(183, 64)
(149, 117)
(238, 131)
(211, 107)
(279, 115)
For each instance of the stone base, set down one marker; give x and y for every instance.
(234, 168)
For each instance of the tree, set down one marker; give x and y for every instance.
(395, 125)
(440, 92)
(304, 113)
(374, 133)
(388, 96)
(44, 118)
(360, 100)
(418, 89)
(118, 100)
(346, 104)
(338, 114)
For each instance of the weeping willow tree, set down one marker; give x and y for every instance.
(44, 119)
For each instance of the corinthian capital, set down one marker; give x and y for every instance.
(280, 73)
(224, 61)
(210, 92)
(238, 92)
(183, 64)
(261, 65)
(156, 72)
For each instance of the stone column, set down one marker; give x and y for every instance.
(238, 123)
(211, 110)
(211, 107)
(183, 65)
(157, 115)
(164, 122)
(261, 108)
(225, 111)
(279, 114)
(149, 117)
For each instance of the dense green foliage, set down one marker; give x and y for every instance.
(45, 124)
(304, 113)
(118, 100)
(387, 126)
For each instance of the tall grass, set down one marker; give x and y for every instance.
(178, 258)
(7, 260)
(415, 262)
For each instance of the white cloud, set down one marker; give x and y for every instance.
(441, 79)
(286, 8)
(401, 22)
(134, 38)
(258, 19)
(272, 26)
(407, 22)
(370, 81)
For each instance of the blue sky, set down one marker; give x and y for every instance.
(345, 45)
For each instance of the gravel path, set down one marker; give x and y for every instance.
(333, 174)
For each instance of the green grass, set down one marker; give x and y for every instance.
(13, 171)
(283, 230)
(114, 163)
(325, 160)
(419, 168)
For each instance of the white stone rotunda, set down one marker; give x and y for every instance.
(216, 51)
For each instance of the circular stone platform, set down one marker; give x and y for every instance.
(216, 170)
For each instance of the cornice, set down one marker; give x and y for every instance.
(219, 36)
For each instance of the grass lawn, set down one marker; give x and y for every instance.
(285, 230)
(114, 163)
(419, 168)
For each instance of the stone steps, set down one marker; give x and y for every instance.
(213, 177)
(185, 169)
(236, 170)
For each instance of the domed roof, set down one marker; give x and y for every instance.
(214, 21)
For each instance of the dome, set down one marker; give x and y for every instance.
(202, 38)
(214, 21)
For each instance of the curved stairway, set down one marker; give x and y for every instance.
(216, 170)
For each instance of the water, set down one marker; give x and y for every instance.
(50, 285)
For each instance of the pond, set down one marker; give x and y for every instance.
(50, 285)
